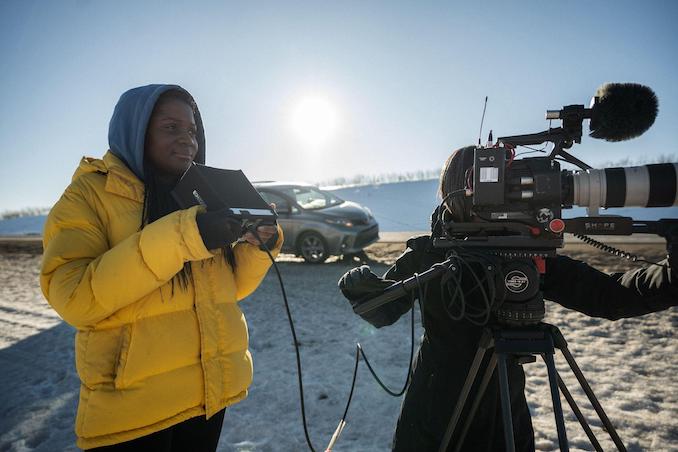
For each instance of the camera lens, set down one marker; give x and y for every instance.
(635, 186)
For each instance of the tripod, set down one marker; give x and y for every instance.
(523, 344)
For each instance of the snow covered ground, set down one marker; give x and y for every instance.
(631, 365)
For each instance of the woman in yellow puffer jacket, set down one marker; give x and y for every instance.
(161, 344)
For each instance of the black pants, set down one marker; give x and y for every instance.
(195, 434)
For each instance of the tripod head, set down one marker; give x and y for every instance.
(479, 287)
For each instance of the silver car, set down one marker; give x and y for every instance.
(318, 224)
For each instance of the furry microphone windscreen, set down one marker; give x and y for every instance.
(623, 111)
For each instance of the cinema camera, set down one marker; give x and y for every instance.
(533, 191)
(521, 201)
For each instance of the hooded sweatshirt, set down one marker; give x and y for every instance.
(127, 129)
(149, 354)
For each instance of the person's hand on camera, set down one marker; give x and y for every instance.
(218, 229)
(360, 284)
(265, 232)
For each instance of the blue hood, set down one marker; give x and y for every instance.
(127, 129)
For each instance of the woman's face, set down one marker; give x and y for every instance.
(171, 138)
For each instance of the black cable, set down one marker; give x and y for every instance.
(482, 313)
(532, 150)
(409, 367)
(457, 297)
(359, 349)
(615, 251)
(263, 246)
(355, 375)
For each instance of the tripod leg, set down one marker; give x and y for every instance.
(555, 397)
(579, 414)
(479, 396)
(506, 403)
(592, 398)
(485, 342)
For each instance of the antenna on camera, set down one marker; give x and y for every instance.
(482, 120)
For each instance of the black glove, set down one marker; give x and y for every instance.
(670, 233)
(360, 284)
(218, 229)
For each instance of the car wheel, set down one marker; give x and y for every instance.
(313, 248)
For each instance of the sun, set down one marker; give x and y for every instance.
(314, 120)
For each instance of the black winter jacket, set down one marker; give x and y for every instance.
(448, 347)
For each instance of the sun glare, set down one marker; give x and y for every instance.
(314, 120)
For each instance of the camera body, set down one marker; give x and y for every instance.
(528, 191)
(533, 192)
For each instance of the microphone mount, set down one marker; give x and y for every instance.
(562, 137)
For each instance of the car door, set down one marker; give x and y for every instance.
(287, 214)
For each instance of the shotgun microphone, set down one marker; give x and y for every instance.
(621, 111)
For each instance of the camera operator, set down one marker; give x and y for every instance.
(448, 346)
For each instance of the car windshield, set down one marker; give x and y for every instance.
(311, 198)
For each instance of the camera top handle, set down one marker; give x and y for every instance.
(561, 137)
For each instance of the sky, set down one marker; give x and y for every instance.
(313, 91)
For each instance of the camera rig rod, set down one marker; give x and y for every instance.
(400, 288)
(616, 225)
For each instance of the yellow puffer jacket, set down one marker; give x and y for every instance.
(149, 354)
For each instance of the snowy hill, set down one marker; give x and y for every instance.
(398, 206)
(23, 225)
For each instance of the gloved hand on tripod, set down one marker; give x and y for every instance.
(360, 285)
(671, 236)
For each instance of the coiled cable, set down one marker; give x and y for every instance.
(614, 251)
